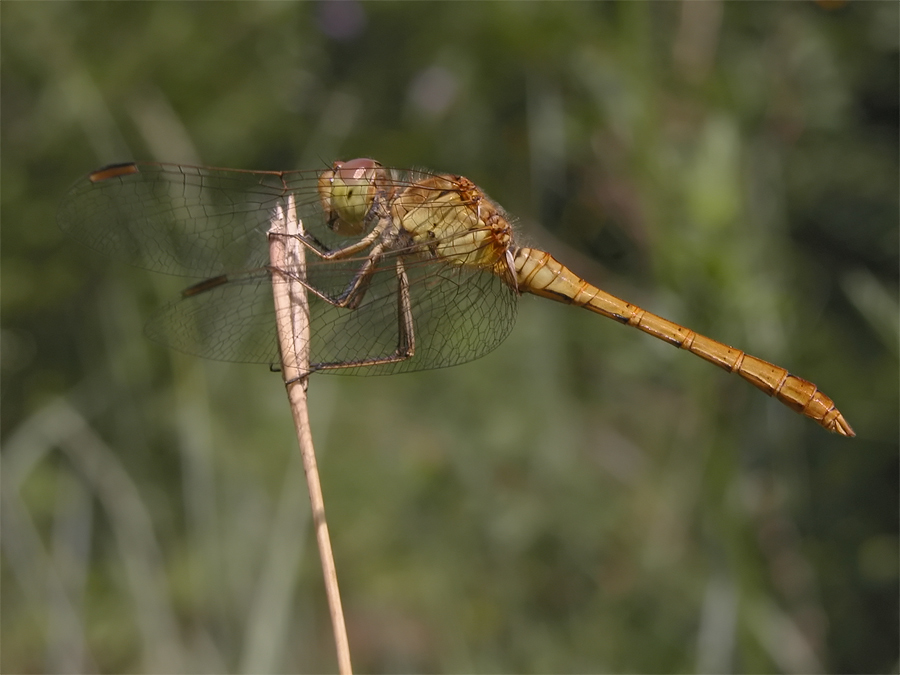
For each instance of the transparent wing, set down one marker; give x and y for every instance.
(192, 221)
(175, 219)
(460, 313)
(209, 222)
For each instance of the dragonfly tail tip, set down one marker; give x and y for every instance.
(840, 426)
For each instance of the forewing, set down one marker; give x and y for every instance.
(183, 220)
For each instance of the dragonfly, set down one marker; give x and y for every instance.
(404, 269)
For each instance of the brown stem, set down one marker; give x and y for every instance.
(292, 316)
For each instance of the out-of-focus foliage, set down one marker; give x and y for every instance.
(583, 499)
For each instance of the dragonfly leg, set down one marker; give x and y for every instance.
(316, 247)
(406, 340)
(356, 289)
(351, 296)
(407, 344)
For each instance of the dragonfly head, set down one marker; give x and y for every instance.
(347, 191)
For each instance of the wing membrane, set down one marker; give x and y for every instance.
(460, 313)
(182, 220)
(191, 221)
(209, 222)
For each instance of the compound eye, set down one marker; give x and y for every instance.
(347, 192)
(356, 167)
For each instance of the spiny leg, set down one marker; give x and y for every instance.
(406, 340)
(319, 249)
(352, 296)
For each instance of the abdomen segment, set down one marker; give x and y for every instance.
(540, 273)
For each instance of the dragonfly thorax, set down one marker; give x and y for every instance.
(450, 216)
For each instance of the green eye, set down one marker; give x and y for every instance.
(347, 193)
(350, 203)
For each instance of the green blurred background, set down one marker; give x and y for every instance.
(583, 499)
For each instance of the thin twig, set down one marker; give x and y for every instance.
(292, 312)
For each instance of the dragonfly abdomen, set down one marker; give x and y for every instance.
(541, 274)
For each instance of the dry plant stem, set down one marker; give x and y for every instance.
(292, 312)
